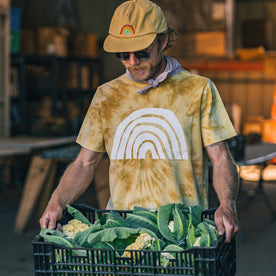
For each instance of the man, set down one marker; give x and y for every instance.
(157, 123)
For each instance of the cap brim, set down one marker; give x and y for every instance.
(115, 44)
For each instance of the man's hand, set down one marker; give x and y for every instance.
(51, 215)
(227, 222)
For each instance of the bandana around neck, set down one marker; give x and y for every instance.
(173, 67)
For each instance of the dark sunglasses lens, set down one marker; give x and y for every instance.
(122, 56)
(142, 55)
(118, 55)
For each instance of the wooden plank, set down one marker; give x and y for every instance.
(11, 151)
(47, 190)
(230, 65)
(37, 174)
(33, 143)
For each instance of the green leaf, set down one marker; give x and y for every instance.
(81, 237)
(46, 231)
(205, 240)
(57, 237)
(196, 212)
(110, 234)
(77, 214)
(189, 222)
(206, 229)
(211, 222)
(173, 247)
(138, 221)
(103, 245)
(191, 237)
(147, 214)
(166, 257)
(197, 231)
(113, 219)
(114, 235)
(123, 243)
(163, 218)
(57, 240)
(180, 222)
(104, 218)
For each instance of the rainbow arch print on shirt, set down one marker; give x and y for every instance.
(150, 129)
(127, 29)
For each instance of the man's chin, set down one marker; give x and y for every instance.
(138, 76)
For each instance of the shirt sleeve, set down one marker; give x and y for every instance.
(91, 133)
(216, 125)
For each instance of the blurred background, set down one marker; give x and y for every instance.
(52, 61)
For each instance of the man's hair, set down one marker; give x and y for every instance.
(172, 37)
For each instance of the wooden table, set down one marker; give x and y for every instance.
(260, 154)
(39, 170)
(42, 178)
(35, 143)
(12, 151)
(9, 156)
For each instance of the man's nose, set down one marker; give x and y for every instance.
(133, 60)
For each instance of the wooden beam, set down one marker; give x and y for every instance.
(36, 177)
(49, 185)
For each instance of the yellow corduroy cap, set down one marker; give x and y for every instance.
(134, 26)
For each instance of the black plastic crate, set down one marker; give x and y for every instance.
(52, 259)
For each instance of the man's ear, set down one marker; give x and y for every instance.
(164, 41)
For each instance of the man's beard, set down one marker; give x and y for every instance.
(144, 72)
(140, 73)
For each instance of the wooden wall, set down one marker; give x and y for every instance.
(252, 91)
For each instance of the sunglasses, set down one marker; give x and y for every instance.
(141, 55)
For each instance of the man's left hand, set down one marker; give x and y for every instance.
(227, 222)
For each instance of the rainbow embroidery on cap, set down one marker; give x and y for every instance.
(127, 29)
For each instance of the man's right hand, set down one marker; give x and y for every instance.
(51, 215)
(73, 183)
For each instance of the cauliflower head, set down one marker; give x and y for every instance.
(143, 241)
(171, 226)
(73, 227)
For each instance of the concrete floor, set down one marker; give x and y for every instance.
(256, 241)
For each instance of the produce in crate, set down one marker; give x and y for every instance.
(172, 227)
(143, 242)
(73, 227)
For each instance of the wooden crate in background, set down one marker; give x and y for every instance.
(211, 43)
(269, 131)
(84, 45)
(52, 40)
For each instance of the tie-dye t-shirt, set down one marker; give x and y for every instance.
(155, 141)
